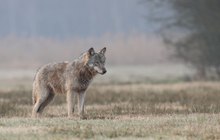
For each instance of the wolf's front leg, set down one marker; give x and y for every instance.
(70, 98)
(81, 100)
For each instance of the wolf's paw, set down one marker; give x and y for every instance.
(73, 117)
(82, 116)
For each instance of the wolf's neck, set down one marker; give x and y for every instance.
(84, 73)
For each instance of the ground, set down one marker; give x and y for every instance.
(123, 110)
(157, 111)
(191, 126)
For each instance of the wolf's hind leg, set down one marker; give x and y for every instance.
(45, 98)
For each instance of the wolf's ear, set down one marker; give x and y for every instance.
(91, 51)
(102, 51)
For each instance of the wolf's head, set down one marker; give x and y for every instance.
(96, 60)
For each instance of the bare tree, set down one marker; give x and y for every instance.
(192, 27)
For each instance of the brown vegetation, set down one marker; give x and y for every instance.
(112, 101)
(159, 111)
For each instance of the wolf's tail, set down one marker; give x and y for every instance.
(34, 98)
(34, 95)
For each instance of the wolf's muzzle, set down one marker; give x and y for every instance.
(104, 71)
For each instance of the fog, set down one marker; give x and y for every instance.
(35, 32)
(72, 18)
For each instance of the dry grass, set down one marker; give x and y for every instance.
(194, 126)
(161, 111)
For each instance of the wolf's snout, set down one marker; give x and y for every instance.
(104, 71)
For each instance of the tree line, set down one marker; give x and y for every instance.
(192, 29)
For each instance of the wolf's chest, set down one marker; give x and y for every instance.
(80, 85)
(83, 82)
(82, 77)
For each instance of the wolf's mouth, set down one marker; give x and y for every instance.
(102, 72)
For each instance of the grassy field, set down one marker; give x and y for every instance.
(120, 111)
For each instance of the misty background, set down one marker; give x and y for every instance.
(72, 18)
(35, 32)
(146, 39)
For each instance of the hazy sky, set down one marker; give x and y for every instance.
(72, 18)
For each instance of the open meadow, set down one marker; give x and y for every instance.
(137, 107)
(157, 64)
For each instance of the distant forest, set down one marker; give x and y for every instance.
(121, 50)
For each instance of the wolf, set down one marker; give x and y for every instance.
(70, 78)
